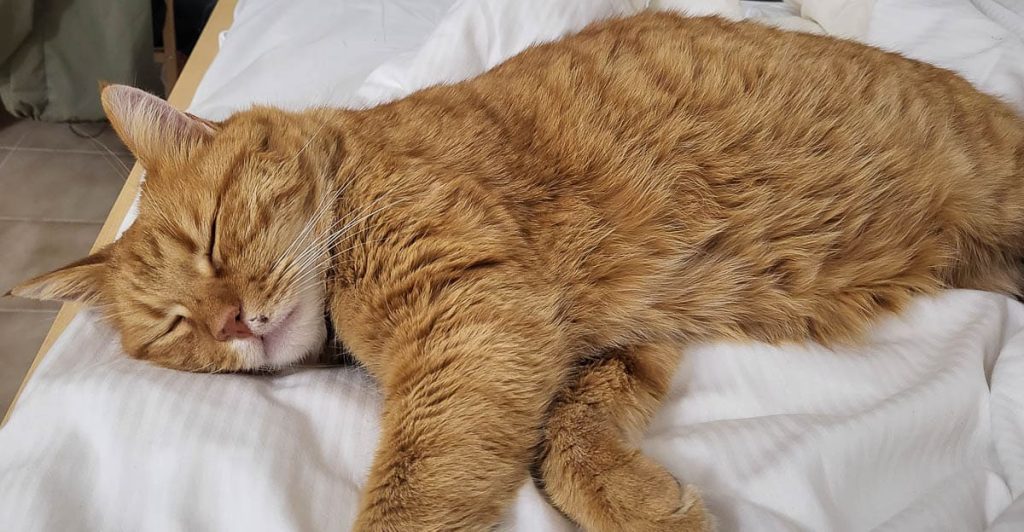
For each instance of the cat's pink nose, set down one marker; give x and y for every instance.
(229, 325)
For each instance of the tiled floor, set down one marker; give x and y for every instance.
(56, 187)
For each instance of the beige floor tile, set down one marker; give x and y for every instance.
(86, 136)
(55, 190)
(49, 185)
(12, 130)
(129, 162)
(111, 140)
(21, 334)
(31, 248)
(11, 134)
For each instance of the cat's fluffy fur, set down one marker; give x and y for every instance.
(526, 254)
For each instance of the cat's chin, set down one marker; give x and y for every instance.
(299, 333)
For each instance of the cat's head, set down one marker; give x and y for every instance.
(222, 269)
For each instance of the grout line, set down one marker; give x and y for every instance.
(11, 148)
(7, 155)
(20, 139)
(109, 157)
(113, 158)
(49, 220)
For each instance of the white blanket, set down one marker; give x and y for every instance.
(922, 428)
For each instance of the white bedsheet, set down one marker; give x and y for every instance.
(920, 429)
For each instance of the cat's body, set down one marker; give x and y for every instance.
(525, 255)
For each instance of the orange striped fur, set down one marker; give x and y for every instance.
(520, 259)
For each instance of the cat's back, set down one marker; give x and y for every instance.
(745, 177)
(666, 85)
(661, 96)
(758, 179)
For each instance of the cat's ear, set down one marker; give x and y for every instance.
(151, 128)
(79, 281)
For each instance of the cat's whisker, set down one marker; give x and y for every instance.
(104, 310)
(325, 207)
(117, 170)
(330, 237)
(317, 268)
(305, 288)
(114, 156)
(322, 208)
(341, 232)
(312, 275)
(297, 263)
(335, 223)
(302, 282)
(326, 260)
(312, 137)
(311, 222)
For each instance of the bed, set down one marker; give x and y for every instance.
(922, 428)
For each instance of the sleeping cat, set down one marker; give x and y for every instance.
(521, 259)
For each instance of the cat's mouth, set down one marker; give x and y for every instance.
(281, 329)
(285, 340)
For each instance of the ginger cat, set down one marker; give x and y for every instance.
(521, 259)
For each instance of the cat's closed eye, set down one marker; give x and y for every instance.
(176, 322)
(211, 247)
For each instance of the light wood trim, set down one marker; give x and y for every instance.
(205, 50)
(170, 55)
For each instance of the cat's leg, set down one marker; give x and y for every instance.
(463, 415)
(590, 465)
